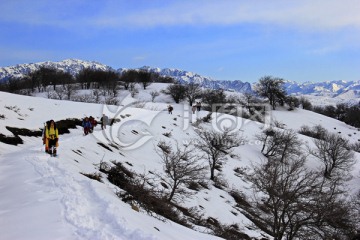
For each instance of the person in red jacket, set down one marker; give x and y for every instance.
(93, 123)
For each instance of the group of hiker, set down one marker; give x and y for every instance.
(89, 123)
(50, 134)
(195, 107)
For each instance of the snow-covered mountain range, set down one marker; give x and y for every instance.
(328, 88)
(72, 66)
(338, 88)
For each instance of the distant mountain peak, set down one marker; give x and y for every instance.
(71, 65)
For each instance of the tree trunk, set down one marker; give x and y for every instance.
(212, 172)
(172, 191)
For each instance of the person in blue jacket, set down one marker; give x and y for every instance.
(86, 125)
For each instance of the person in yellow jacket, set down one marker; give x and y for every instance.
(52, 137)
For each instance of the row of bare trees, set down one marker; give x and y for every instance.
(182, 165)
(192, 91)
(87, 77)
(268, 87)
(38, 79)
(344, 112)
(180, 92)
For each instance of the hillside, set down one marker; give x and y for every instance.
(42, 193)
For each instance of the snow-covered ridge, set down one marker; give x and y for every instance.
(207, 82)
(73, 66)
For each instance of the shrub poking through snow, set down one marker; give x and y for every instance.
(94, 176)
(136, 191)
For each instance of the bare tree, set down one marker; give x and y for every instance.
(96, 94)
(181, 166)
(59, 93)
(279, 144)
(352, 116)
(145, 78)
(153, 95)
(305, 103)
(192, 92)
(109, 100)
(213, 98)
(291, 202)
(176, 91)
(273, 212)
(271, 88)
(356, 209)
(86, 76)
(216, 146)
(13, 85)
(335, 153)
(132, 89)
(128, 77)
(248, 102)
(70, 90)
(292, 102)
(296, 200)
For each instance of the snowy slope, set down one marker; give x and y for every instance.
(49, 198)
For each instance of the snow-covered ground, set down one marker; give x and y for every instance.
(43, 197)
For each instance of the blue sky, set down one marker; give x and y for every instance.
(302, 40)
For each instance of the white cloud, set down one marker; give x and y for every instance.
(325, 50)
(304, 14)
(139, 58)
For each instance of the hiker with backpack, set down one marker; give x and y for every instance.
(198, 106)
(104, 121)
(86, 125)
(93, 123)
(170, 109)
(193, 109)
(51, 137)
